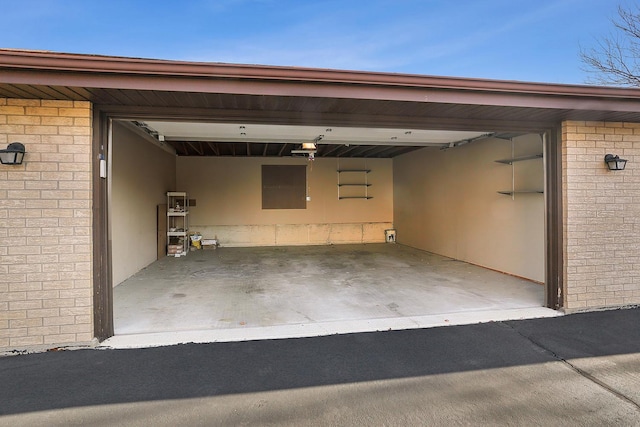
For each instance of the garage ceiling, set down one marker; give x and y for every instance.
(245, 139)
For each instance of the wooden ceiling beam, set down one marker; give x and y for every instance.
(331, 150)
(197, 149)
(214, 148)
(345, 150)
(282, 149)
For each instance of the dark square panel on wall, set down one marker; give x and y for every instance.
(284, 187)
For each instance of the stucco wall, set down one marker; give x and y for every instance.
(45, 225)
(446, 202)
(601, 215)
(142, 175)
(228, 194)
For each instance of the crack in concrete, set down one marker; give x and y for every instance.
(577, 370)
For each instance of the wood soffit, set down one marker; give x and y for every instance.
(141, 88)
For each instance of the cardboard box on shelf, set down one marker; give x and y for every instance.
(174, 249)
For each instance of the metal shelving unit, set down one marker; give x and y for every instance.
(177, 223)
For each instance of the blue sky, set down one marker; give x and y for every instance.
(527, 40)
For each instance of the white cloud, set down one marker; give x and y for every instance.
(342, 38)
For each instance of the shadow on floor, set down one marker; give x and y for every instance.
(65, 379)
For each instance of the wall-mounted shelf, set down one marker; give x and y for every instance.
(519, 159)
(510, 161)
(357, 180)
(511, 193)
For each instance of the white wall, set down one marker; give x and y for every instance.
(446, 202)
(141, 175)
(228, 193)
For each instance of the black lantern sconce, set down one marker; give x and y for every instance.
(615, 163)
(13, 154)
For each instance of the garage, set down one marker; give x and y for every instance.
(465, 169)
(105, 138)
(389, 228)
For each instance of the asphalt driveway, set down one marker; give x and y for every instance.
(581, 369)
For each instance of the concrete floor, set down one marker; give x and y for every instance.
(251, 293)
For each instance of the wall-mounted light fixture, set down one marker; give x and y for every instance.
(13, 154)
(615, 163)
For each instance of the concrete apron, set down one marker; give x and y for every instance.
(241, 294)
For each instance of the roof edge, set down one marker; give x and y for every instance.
(84, 63)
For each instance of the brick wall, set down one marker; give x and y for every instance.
(601, 215)
(45, 225)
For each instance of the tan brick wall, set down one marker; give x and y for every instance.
(601, 215)
(45, 225)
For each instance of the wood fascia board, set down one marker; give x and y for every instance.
(53, 61)
(91, 71)
(333, 90)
